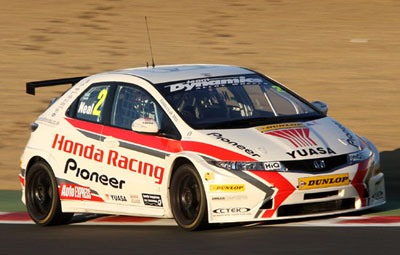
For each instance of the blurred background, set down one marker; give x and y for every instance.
(346, 53)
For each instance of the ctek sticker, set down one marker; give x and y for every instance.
(323, 181)
(227, 188)
(267, 128)
(236, 210)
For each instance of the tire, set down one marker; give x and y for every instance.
(188, 199)
(41, 196)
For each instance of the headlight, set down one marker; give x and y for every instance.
(249, 165)
(359, 156)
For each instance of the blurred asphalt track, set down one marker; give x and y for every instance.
(75, 239)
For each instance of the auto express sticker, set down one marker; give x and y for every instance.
(152, 200)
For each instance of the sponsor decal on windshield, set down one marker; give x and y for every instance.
(212, 83)
(267, 128)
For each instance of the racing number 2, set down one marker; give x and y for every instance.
(102, 96)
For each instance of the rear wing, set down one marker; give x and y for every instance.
(31, 86)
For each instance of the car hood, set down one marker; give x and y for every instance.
(319, 138)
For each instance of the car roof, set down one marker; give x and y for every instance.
(170, 73)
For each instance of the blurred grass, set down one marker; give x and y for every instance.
(10, 201)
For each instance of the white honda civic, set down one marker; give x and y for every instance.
(199, 143)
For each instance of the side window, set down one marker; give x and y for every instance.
(132, 103)
(91, 103)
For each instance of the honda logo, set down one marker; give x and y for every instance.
(319, 164)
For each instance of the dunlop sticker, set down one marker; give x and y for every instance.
(227, 188)
(267, 128)
(324, 181)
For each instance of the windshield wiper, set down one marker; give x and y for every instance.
(252, 122)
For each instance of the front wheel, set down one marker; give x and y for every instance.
(188, 199)
(41, 195)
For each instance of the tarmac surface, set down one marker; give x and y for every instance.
(32, 239)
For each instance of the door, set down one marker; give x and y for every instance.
(139, 157)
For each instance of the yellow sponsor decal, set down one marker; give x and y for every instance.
(209, 176)
(102, 97)
(227, 188)
(267, 128)
(324, 181)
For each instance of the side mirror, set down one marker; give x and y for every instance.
(322, 106)
(145, 125)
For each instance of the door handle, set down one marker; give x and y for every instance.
(111, 142)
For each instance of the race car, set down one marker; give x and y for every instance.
(202, 144)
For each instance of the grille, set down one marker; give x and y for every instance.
(307, 165)
(320, 195)
(317, 207)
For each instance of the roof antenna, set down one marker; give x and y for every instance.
(151, 50)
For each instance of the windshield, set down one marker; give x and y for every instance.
(236, 101)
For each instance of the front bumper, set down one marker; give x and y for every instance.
(278, 195)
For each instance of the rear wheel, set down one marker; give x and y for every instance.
(41, 195)
(188, 199)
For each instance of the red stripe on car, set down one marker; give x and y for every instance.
(285, 189)
(372, 220)
(358, 180)
(22, 180)
(159, 143)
